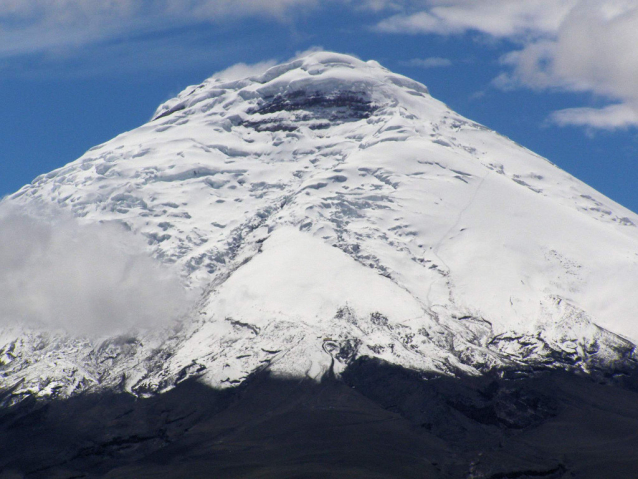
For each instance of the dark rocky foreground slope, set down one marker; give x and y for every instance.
(378, 421)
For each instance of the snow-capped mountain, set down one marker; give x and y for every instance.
(331, 209)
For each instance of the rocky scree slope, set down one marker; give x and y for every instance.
(332, 210)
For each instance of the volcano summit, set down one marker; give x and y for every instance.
(362, 250)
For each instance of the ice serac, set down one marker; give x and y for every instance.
(332, 209)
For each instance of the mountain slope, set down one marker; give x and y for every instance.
(334, 210)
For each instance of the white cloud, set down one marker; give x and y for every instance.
(573, 45)
(499, 18)
(308, 51)
(593, 50)
(420, 22)
(431, 62)
(86, 279)
(607, 118)
(243, 70)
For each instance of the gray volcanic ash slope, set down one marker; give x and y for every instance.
(348, 230)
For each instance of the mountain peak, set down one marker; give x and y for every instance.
(318, 75)
(331, 209)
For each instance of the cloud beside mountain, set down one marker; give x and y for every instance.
(93, 279)
(571, 45)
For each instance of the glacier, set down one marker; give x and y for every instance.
(330, 210)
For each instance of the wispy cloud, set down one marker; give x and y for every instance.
(430, 62)
(243, 70)
(97, 279)
(572, 45)
(32, 26)
(246, 70)
(164, 53)
(499, 18)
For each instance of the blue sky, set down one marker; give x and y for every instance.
(557, 76)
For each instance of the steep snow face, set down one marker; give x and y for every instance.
(333, 209)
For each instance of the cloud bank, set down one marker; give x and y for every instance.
(571, 45)
(88, 280)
